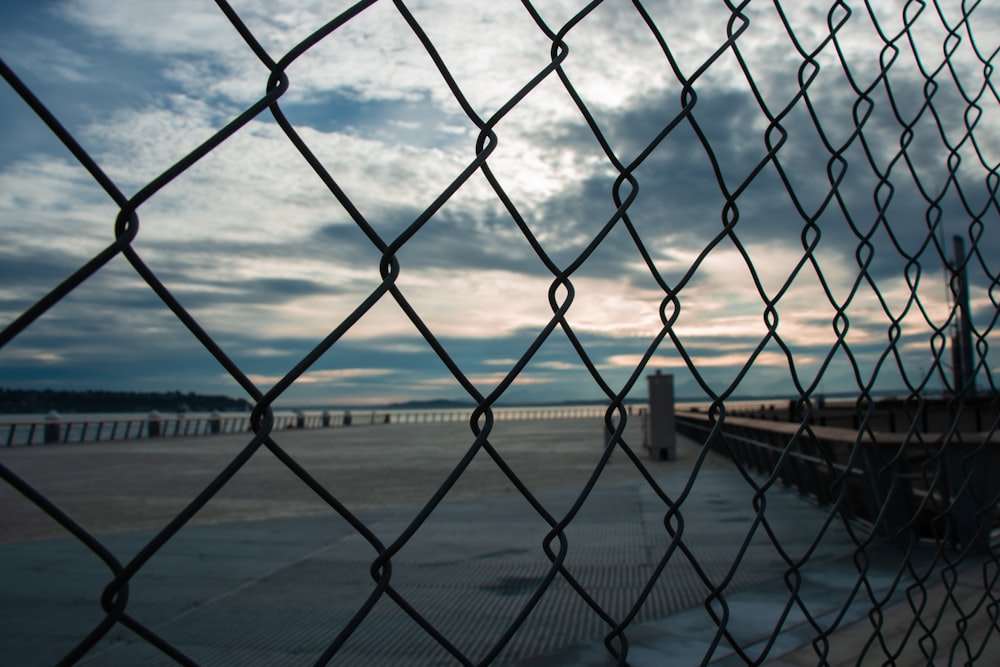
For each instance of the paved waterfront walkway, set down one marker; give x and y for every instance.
(267, 575)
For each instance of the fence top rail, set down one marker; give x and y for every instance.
(850, 435)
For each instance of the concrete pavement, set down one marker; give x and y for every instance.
(267, 574)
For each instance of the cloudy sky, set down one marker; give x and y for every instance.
(744, 140)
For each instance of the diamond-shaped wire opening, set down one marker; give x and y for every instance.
(881, 322)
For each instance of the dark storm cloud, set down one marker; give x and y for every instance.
(680, 199)
(34, 271)
(454, 240)
(262, 290)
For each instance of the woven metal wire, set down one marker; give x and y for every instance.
(932, 549)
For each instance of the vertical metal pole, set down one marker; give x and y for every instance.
(662, 423)
(962, 343)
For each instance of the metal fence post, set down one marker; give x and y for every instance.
(662, 424)
(153, 425)
(51, 428)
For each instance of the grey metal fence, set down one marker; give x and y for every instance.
(874, 124)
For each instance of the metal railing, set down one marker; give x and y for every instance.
(86, 429)
(871, 147)
(924, 473)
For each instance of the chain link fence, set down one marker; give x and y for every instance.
(839, 160)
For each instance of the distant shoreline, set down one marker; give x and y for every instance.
(27, 401)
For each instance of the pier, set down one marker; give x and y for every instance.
(267, 572)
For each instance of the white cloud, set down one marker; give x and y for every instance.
(488, 304)
(135, 145)
(374, 56)
(612, 307)
(33, 354)
(54, 218)
(237, 215)
(614, 62)
(183, 26)
(485, 383)
(500, 362)
(51, 60)
(256, 180)
(731, 360)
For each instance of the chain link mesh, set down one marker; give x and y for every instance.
(908, 162)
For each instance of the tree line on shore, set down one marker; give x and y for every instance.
(28, 401)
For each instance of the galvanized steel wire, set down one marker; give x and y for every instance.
(916, 572)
